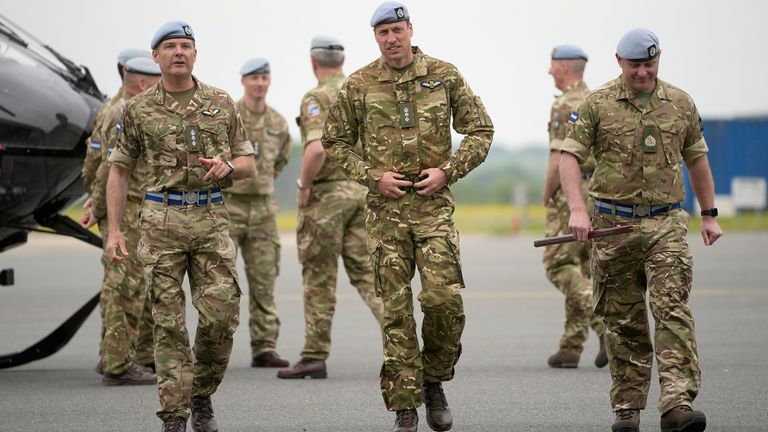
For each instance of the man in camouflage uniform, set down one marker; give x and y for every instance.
(331, 219)
(640, 129)
(567, 264)
(400, 107)
(253, 209)
(126, 311)
(192, 139)
(95, 155)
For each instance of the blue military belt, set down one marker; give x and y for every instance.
(633, 210)
(181, 198)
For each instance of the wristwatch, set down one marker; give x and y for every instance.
(709, 212)
(231, 168)
(301, 186)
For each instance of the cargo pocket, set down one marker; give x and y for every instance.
(453, 244)
(672, 141)
(617, 143)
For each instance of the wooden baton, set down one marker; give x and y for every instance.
(603, 232)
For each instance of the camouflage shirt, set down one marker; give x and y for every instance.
(639, 147)
(170, 139)
(562, 108)
(93, 149)
(110, 134)
(403, 120)
(268, 132)
(314, 110)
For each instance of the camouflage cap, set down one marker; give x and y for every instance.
(638, 45)
(130, 53)
(255, 66)
(172, 30)
(142, 65)
(389, 12)
(568, 52)
(327, 42)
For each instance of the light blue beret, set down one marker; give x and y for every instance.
(255, 66)
(568, 52)
(142, 65)
(389, 12)
(327, 42)
(172, 30)
(130, 53)
(638, 45)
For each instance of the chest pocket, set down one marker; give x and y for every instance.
(214, 137)
(271, 147)
(673, 137)
(160, 144)
(432, 108)
(616, 141)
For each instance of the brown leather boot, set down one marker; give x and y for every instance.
(305, 368)
(174, 424)
(602, 355)
(406, 421)
(564, 359)
(202, 414)
(133, 375)
(269, 359)
(683, 418)
(627, 420)
(439, 416)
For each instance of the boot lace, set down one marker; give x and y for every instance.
(406, 418)
(435, 398)
(175, 424)
(625, 414)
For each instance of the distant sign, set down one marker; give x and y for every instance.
(749, 192)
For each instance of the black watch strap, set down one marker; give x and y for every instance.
(709, 212)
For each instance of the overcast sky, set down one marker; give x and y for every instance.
(713, 49)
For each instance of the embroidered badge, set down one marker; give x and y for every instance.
(187, 30)
(431, 84)
(652, 50)
(650, 141)
(574, 116)
(399, 12)
(313, 109)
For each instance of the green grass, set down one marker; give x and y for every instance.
(508, 219)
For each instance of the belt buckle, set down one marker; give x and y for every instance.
(642, 210)
(191, 198)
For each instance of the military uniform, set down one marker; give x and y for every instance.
(126, 312)
(403, 119)
(94, 151)
(253, 225)
(567, 264)
(639, 145)
(332, 223)
(184, 229)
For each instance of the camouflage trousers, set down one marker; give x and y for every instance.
(332, 224)
(404, 234)
(253, 228)
(191, 240)
(655, 259)
(567, 267)
(126, 313)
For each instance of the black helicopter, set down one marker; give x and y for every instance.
(47, 107)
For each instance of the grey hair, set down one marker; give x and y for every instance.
(327, 57)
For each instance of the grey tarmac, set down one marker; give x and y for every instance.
(502, 380)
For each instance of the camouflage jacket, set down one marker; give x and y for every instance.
(93, 149)
(110, 133)
(268, 132)
(403, 120)
(314, 110)
(639, 147)
(170, 139)
(562, 108)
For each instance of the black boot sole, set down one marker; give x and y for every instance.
(695, 425)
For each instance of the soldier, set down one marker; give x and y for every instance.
(191, 137)
(640, 129)
(331, 219)
(400, 107)
(123, 301)
(252, 210)
(567, 264)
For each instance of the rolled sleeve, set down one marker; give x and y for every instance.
(575, 148)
